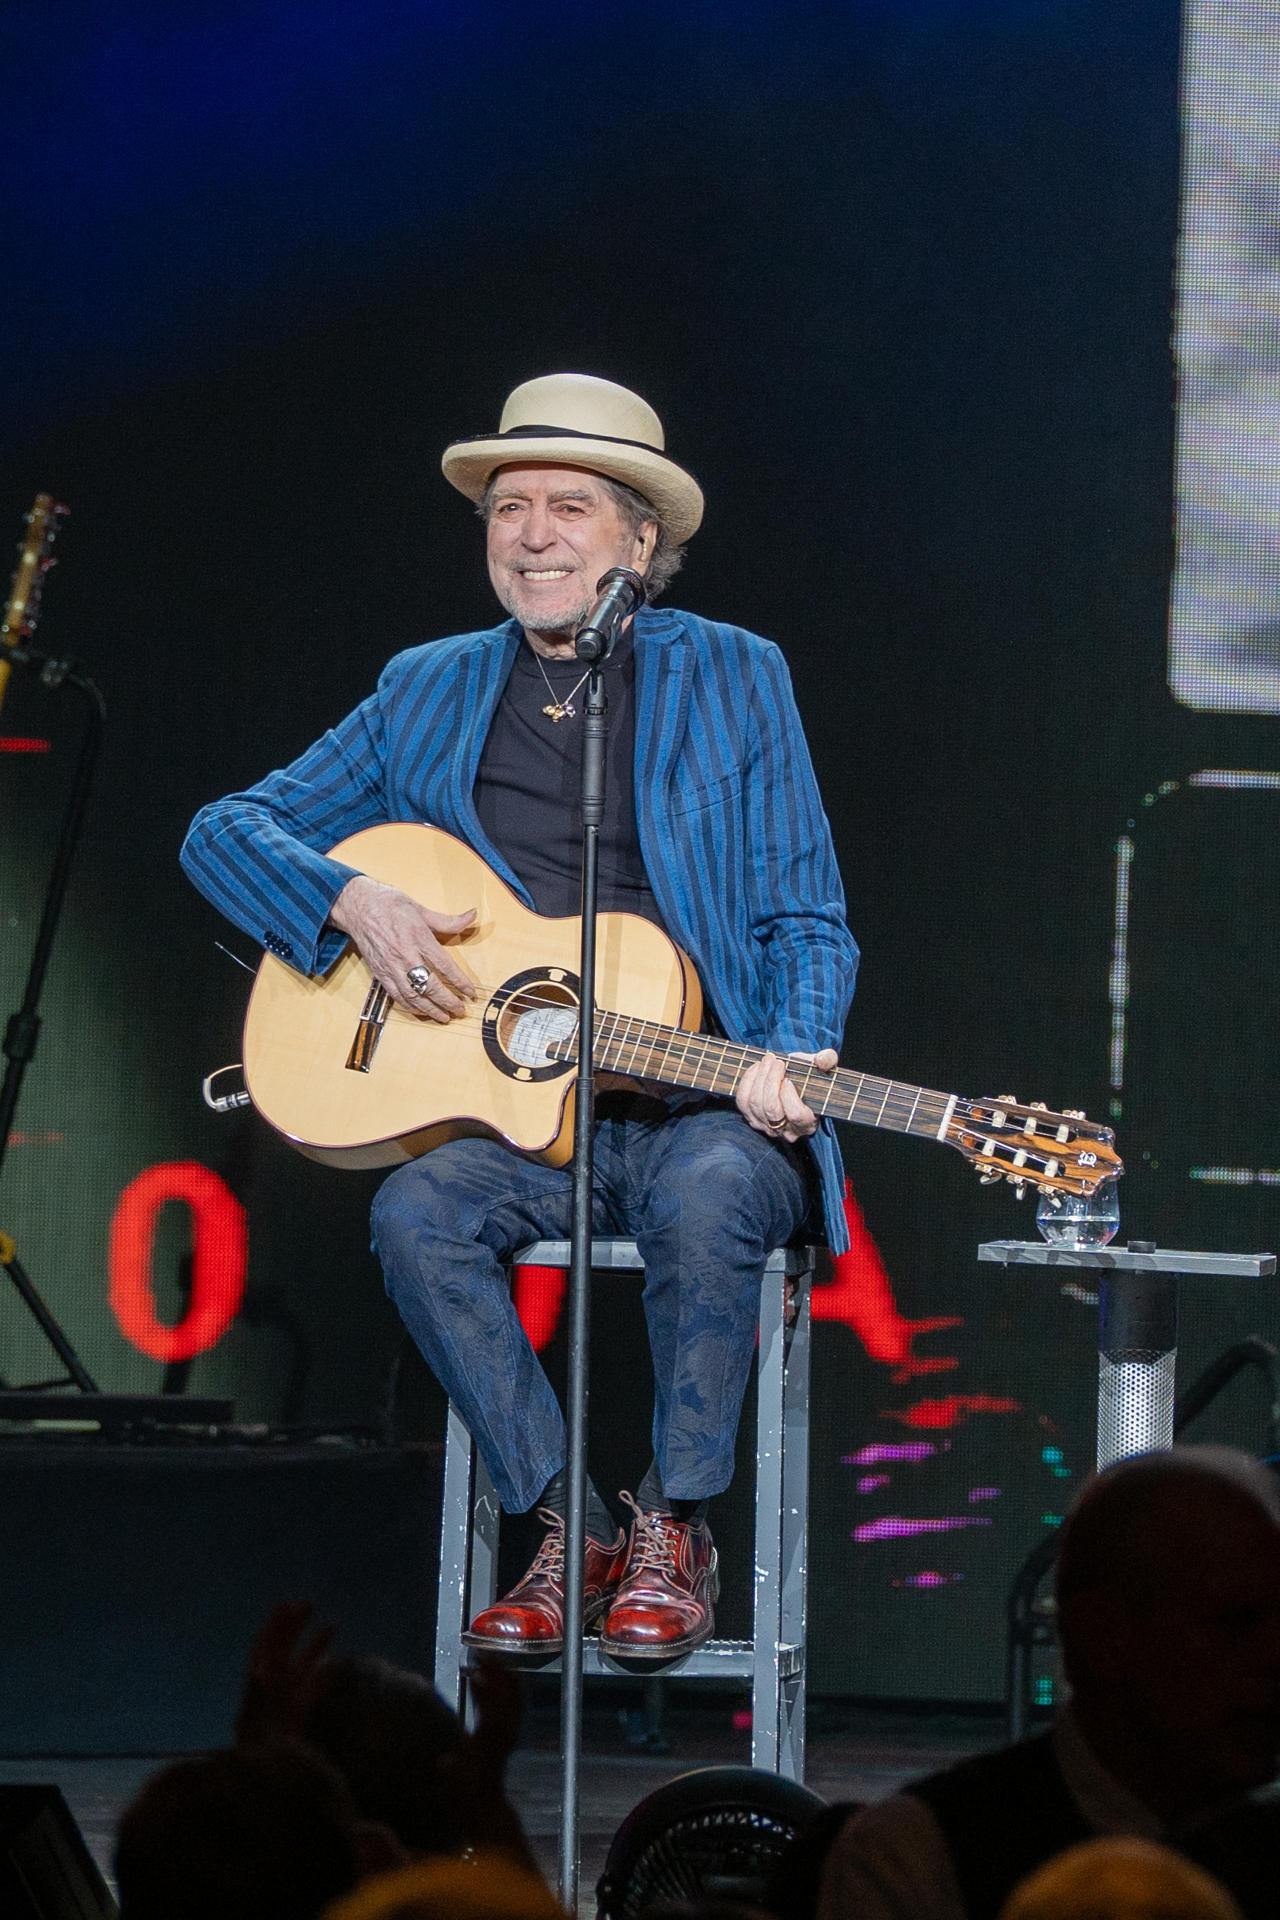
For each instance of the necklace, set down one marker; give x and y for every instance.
(560, 709)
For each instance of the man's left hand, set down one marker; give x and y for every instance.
(769, 1102)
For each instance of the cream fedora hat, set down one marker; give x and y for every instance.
(576, 420)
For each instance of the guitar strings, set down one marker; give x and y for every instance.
(533, 998)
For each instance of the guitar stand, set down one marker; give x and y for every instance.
(23, 1029)
(41, 1400)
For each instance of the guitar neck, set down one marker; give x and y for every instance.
(647, 1051)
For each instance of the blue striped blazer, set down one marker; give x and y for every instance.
(731, 826)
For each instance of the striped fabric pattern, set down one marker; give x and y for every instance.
(731, 825)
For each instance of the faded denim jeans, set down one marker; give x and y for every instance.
(705, 1198)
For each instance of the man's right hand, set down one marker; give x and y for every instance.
(394, 933)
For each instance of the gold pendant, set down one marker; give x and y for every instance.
(560, 709)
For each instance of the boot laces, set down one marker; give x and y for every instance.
(548, 1561)
(653, 1548)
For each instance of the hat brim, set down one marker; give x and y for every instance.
(469, 465)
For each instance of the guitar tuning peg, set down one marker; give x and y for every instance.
(991, 1179)
(1007, 1099)
(1075, 1113)
(1038, 1106)
(1019, 1187)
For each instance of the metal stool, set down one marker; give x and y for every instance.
(773, 1659)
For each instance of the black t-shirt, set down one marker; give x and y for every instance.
(528, 785)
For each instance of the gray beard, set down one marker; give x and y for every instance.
(565, 624)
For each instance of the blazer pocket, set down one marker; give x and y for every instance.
(723, 792)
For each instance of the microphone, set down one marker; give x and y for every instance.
(620, 592)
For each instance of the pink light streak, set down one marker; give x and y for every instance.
(895, 1527)
(868, 1482)
(903, 1450)
(984, 1493)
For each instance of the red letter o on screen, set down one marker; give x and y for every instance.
(217, 1269)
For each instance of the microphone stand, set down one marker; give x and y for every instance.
(622, 591)
(595, 724)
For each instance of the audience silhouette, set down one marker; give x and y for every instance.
(1169, 1620)
(354, 1791)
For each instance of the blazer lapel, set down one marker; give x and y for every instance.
(664, 673)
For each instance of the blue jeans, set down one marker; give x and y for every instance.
(705, 1198)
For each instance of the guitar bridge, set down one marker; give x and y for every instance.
(373, 1017)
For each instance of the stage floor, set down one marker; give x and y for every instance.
(853, 1754)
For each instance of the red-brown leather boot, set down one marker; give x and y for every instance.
(530, 1619)
(670, 1583)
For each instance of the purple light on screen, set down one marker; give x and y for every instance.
(894, 1527)
(929, 1579)
(868, 1482)
(984, 1493)
(873, 1455)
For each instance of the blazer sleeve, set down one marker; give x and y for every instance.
(260, 856)
(795, 898)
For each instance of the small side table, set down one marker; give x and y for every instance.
(1137, 1328)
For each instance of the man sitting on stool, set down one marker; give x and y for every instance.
(713, 829)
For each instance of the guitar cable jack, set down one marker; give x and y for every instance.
(225, 1102)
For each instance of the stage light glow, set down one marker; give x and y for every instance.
(861, 1296)
(890, 1450)
(539, 1296)
(1118, 982)
(1235, 1176)
(1224, 624)
(952, 1410)
(896, 1527)
(219, 1262)
(1239, 781)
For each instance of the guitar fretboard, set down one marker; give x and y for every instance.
(649, 1051)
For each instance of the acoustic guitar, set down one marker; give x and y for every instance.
(353, 1080)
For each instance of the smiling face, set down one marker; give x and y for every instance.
(552, 532)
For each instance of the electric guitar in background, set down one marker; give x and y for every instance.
(352, 1079)
(34, 561)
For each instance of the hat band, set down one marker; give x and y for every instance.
(572, 433)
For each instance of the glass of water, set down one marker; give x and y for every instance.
(1080, 1220)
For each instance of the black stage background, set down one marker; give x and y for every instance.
(899, 280)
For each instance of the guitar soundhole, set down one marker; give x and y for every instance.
(530, 1022)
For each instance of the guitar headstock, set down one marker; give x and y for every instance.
(34, 561)
(1031, 1147)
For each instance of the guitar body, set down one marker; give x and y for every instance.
(353, 1080)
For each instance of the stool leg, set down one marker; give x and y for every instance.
(455, 1535)
(766, 1636)
(485, 1515)
(795, 1534)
